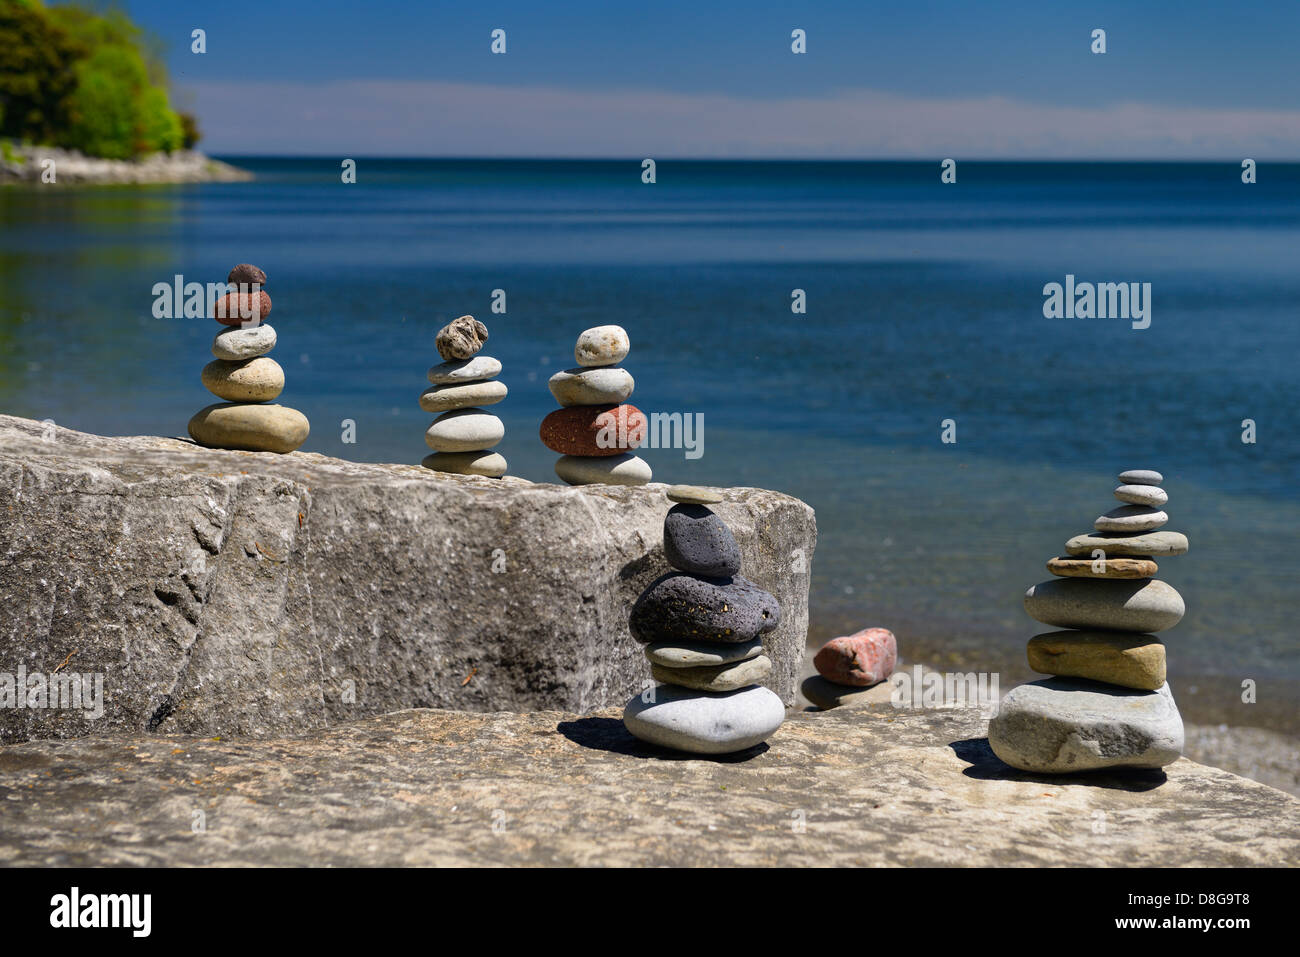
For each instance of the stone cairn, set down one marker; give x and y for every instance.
(702, 627)
(595, 429)
(1108, 705)
(245, 377)
(853, 669)
(463, 434)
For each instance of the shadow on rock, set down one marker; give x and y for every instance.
(987, 766)
(609, 734)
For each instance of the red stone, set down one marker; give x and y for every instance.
(579, 429)
(865, 658)
(237, 308)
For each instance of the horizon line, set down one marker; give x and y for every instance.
(1126, 161)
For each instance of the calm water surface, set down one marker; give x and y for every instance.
(924, 303)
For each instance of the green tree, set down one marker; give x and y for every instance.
(93, 82)
(37, 74)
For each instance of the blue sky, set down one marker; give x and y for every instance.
(1015, 80)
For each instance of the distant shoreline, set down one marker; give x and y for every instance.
(29, 164)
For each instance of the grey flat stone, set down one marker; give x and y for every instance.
(233, 344)
(444, 398)
(1159, 544)
(600, 385)
(1063, 725)
(622, 469)
(704, 723)
(488, 464)
(1141, 477)
(464, 430)
(1152, 495)
(1142, 604)
(728, 677)
(1131, 518)
(465, 370)
(693, 495)
(700, 654)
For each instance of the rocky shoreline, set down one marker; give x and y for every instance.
(27, 164)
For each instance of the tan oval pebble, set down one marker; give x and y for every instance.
(602, 346)
(693, 495)
(251, 428)
(465, 430)
(248, 380)
(443, 398)
(1122, 658)
(490, 464)
(235, 343)
(623, 469)
(726, 677)
(1102, 568)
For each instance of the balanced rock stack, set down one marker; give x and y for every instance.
(245, 377)
(853, 669)
(1109, 705)
(702, 627)
(463, 434)
(595, 430)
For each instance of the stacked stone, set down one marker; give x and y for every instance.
(1108, 705)
(595, 429)
(702, 626)
(245, 377)
(463, 434)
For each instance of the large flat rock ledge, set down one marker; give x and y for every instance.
(243, 593)
(423, 787)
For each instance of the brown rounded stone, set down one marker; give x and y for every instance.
(1130, 567)
(461, 338)
(1127, 659)
(239, 308)
(246, 274)
(594, 430)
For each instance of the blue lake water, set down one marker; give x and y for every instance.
(924, 303)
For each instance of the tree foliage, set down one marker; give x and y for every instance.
(82, 80)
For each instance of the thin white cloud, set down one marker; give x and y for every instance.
(392, 118)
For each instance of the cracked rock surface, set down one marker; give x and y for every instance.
(862, 786)
(257, 594)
